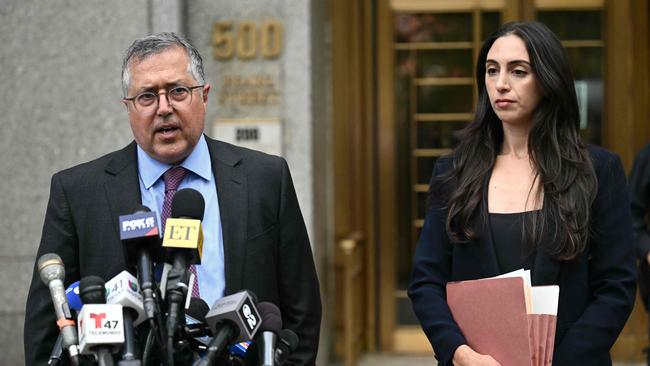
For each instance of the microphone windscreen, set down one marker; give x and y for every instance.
(188, 202)
(290, 338)
(92, 290)
(197, 309)
(72, 293)
(271, 317)
(50, 267)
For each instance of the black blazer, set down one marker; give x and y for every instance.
(597, 289)
(266, 247)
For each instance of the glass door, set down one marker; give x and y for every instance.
(434, 49)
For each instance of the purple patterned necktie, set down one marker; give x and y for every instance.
(172, 178)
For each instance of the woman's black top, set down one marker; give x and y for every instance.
(508, 238)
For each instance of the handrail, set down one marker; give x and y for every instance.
(352, 265)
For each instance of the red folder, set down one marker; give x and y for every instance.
(492, 315)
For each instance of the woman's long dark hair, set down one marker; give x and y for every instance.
(559, 157)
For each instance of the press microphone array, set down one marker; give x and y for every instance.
(129, 318)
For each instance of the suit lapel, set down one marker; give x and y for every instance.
(122, 187)
(233, 209)
(546, 270)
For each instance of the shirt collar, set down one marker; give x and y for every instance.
(198, 162)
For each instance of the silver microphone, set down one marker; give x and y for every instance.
(52, 272)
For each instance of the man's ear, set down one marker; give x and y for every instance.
(206, 90)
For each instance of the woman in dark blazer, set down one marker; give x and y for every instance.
(521, 190)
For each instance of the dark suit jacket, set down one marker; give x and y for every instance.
(597, 288)
(266, 247)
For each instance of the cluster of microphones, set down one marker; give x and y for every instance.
(134, 321)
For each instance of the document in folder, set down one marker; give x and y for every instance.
(506, 318)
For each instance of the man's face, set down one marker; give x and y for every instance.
(167, 132)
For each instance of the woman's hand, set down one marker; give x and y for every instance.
(466, 356)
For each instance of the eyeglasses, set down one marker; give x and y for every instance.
(177, 96)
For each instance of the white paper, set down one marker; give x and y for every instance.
(545, 299)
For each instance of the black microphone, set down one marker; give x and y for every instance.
(52, 272)
(183, 239)
(262, 352)
(195, 325)
(141, 240)
(198, 309)
(233, 318)
(101, 325)
(288, 342)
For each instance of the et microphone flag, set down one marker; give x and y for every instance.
(184, 234)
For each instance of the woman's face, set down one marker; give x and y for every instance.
(510, 82)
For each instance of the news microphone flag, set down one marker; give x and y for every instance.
(239, 349)
(123, 289)
(72, 293)
(100, 325)
(184, 234)
(138, 225)
(240, 310)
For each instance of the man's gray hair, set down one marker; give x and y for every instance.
(155, 44)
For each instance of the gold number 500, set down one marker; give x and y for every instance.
(247, 41)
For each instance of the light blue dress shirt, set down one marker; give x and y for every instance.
(210, 273)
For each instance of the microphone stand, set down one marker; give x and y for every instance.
(129, 356)
(176, 294)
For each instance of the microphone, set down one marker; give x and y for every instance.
(183, 238)
(197, 332)
(52, 273)
(263, 350)
(183, 233)
(57, 350)
(237, 354)
(123, 290)
(271, 325)
(195, 319)
(233, 318)
(100, 325)
(198, 309)
(74, 303)
(140, 237)
(288, 343)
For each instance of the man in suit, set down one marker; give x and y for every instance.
(255, 237)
